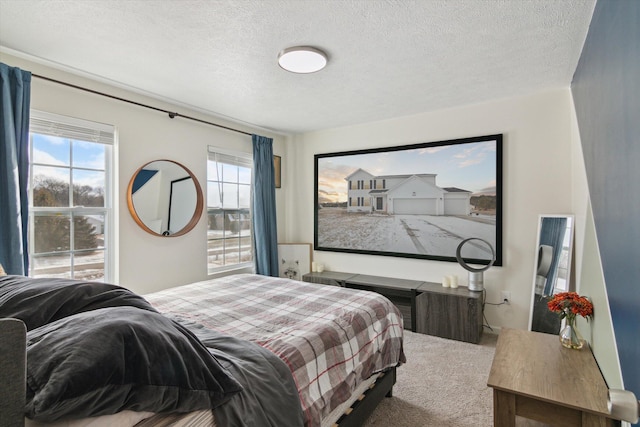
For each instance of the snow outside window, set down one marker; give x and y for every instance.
(229, 238)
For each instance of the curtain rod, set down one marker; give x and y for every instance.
(171, 114)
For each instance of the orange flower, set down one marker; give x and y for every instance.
(568, 304)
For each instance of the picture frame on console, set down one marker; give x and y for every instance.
(413, 201)
(294, 260)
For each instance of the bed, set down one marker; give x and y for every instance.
(239, 350)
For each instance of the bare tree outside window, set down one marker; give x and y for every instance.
(69, 212)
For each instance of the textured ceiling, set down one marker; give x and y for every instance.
(386, 58)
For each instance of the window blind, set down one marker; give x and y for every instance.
(69, 127)
(219, 156)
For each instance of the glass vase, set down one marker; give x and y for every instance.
(570, 335)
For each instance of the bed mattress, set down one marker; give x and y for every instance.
(332, 339)
(300, 351)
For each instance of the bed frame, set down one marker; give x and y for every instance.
(366, 403)
(13, 382)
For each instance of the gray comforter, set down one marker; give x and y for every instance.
(97, 349)
(269, 396)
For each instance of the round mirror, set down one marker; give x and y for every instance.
(165, 198)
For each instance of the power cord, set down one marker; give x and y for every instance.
(484, 302)
(486, 323)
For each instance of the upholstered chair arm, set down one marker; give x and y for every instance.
(13, 361)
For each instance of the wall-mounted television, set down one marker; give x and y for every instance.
(414, 201)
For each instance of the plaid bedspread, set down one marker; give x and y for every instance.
(330, 337)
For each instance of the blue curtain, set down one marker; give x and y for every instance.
(552, 234)
(15, 96)
(265, 233)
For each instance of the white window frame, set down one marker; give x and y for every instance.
(245, 159)
(46, 123)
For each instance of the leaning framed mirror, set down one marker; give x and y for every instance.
(552, 269)
(165, 198)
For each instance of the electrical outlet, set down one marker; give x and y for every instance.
(506, 297)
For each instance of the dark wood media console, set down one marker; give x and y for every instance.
(426, 307)
(454, 313)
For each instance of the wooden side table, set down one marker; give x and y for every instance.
(534, 376)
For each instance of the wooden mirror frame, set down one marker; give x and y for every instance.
(197, 213)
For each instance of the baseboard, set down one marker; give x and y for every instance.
(490, 329)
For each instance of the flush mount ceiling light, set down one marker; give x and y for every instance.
(302, 59)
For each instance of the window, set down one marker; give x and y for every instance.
(70, 184)
(563, 262)
(229, 240)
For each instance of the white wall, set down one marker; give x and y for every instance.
(537, 179)
(146, 262)
(589, 276)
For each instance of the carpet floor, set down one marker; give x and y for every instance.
(443, 384)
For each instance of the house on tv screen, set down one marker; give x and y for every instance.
(415, 194)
